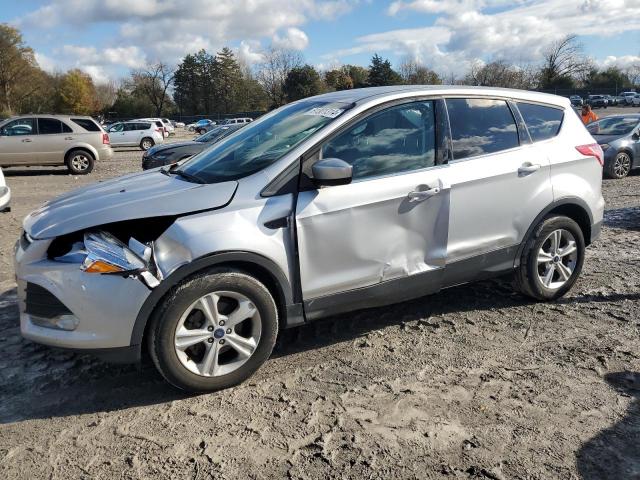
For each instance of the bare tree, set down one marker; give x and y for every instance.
(273, 71)
(500, 73)
(106, 94)
(154, 82)
(563, 59)
(633, 72)
(414, 73)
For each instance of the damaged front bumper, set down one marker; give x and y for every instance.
(87, 299)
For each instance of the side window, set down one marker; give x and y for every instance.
(49, 126)
(542, 122)
(22, 126)
(144, 126)
(128, 127)
(398, 139)
(87, 124)
(118, 127)
(66, 128)
(480, 126)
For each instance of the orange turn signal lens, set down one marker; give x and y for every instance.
(102, 267)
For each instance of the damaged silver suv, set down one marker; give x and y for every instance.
(334, 203)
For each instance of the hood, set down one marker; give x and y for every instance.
(172, 146)
(140, 195)
(602, 139)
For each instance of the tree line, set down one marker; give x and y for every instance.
(205, 83)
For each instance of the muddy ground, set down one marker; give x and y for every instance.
(475, 382)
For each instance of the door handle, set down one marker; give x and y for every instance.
(528, 168)
(421, 195)
(68, 138)
(26, 140)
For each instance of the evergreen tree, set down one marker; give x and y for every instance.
(381, 73)
(302, 82)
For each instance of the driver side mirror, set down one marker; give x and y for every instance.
(636, 136)
(331, 171)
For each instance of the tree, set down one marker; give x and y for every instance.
(563, 61)
(106, 94)
(612, 77)
(154, 81)
(20, 76)
(302, 82)
(413, 73)
(273, 71)
(499, 73)
(338, 79)
(227, 78)
(381, 73)
(76, 93)
(359, 75)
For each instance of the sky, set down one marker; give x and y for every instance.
(108, 38)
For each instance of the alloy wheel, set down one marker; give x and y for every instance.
(622, 165)
(80, 162)
(218, 333)
(146, 144)
(557, 259)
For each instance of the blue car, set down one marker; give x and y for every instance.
(202, 126)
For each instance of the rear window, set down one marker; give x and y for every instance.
(542, 122)
(143, 126)
(481, 126)
(49, 126)
(86, 123)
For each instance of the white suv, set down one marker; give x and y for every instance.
(348, 200)
(142, 133)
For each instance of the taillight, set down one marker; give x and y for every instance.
(159, 130)
(592, 150)
(105, 138)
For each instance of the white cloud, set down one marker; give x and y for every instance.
(622, 62)
(294, 39)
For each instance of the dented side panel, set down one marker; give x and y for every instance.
(367, 232)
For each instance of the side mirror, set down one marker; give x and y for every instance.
(636, 136)
(331, 171)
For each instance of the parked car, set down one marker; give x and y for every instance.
(72, 140)
(202, 126)
(619, 138)
(597, 101)
(5, 195)
(628, 96)
(136, 133)
(159, 122)
(169, 125)
(179, 124)
(611, 100)
(171, 153)
(234, 121)
(333, 203)
(576, 100)
(635, 100)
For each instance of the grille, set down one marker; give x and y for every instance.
(40, 302)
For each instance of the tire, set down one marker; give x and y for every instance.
(80, 162)
(146, 143)
(531, 275)
(201, 132)
(181, 311)
(619, 167)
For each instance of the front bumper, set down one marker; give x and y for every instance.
(5, 199)
(104, 307)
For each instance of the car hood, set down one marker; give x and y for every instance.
(140, 195)
(172, 146)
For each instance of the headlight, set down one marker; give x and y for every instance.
(604, 146)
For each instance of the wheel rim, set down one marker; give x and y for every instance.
(146, 144)
(557, 259)
(218, 333)
(622, 165)
(80, 162)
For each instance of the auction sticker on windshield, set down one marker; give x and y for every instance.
(325, 112)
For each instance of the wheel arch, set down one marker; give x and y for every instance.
(86, 148)
(265, 270)
(572, 207)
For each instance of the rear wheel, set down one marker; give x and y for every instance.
(146, 143)
(214, 331)
(79, 162)
(552, 259)
(620, 166)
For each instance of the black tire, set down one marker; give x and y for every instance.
(619, 167)
(166, 319)
(146, 143)
(201, 132)
(79, 162)
(527, 279)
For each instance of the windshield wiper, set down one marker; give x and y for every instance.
(180, 173)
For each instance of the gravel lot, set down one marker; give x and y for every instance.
(475, 382)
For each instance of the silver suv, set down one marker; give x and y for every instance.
(331, 204)
(72, 140)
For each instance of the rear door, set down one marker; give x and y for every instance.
(360, 242)
(52, 140)
(16, 142)
(499, 184)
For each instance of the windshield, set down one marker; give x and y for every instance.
(613, 126)
(261, 143)
(216, 134)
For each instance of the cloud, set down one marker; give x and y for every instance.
(294, 39)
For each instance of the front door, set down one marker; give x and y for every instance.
(383, 237)
(117, 135)
(16, 142)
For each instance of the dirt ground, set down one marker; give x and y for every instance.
(475, 382)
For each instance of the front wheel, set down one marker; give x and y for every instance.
(213, 331)
(551, 260)
(79, 162)
(146, 143)
(619, 167)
